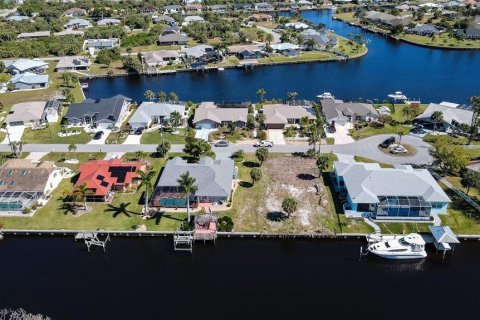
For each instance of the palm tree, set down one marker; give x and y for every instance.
(80, 193)
(175, 119)
(16, 147)
(149, 95)
(269, 38)
(292, 95)
(256, 175)
(322, 163)
(140, 155)
(261, 93)
(401, 132)
(172, 96)
(437, 118)
(186, 183)
(146, 181)
(72, 147)
(162, 96)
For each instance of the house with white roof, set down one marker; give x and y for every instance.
(399, 193)
(149, 113)
(94, 45)
(286, 48)
(27, 65)
(29, 80)
(297, 25)
(453, 116)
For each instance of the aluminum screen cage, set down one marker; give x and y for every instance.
(17, 200)
(402, 206)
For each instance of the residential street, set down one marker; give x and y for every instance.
(276, 36)
(365, 148)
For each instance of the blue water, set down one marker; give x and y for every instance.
(432, 75)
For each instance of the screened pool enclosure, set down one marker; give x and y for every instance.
(17, 200)
(397, 206)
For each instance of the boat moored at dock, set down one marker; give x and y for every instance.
(411, 246)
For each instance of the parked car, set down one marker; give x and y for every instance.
(387, 143)
(222, 143)
(264, 143)
(398, 149)
(139, 131)
(98, 135)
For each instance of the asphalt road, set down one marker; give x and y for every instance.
(365, 148)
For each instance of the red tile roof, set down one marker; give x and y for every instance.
(101, 175)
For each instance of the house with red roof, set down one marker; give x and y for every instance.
(104, 177)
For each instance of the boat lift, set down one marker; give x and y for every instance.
(183, 241)
(91, 239)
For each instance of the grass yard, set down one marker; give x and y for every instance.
(441, 41)
(56, 85)
(461, 216)
(122, 214)
(49, 136)
(347, 16)
(115, 68)
(369, 131)
(60, 157)
(367, 160)
(154, 137)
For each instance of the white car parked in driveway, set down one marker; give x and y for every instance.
(264, 143)
(396, 149)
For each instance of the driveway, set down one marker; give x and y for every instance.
(203, 133)
(133, 139)
(276, 135)
(368, 148)
(276, 36)
(106, 133)
(15, 133)
(341, 134)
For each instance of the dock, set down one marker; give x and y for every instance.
(183, 241)
(92, 239)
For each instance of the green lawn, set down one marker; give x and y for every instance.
(154, 137)
(441, 41)
(369, 131)
(50, 135)
(122, 214)
(461, 216)
(367, 160)
(56, 85)
(60, 157)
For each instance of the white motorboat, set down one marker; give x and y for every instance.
(326, 95)
(411, 246)
(398, 95)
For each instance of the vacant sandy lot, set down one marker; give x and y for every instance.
(285, 176)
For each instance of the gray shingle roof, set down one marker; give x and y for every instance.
(337, 109)
(147, 110)
(365, 182)
(213, 177)
(104, 109)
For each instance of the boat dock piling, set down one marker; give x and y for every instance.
(91, 239)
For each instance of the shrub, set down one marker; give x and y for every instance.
(27, 210)
(35, 206)
(330, 140)
(238, 155)
(225, 224)
(261, 135)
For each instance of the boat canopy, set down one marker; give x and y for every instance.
(443, 234)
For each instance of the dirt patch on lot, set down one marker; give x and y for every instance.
(287, 176)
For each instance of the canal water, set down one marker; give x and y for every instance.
(432, 75)
(143, 278)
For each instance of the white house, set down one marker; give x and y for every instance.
(149, 113)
